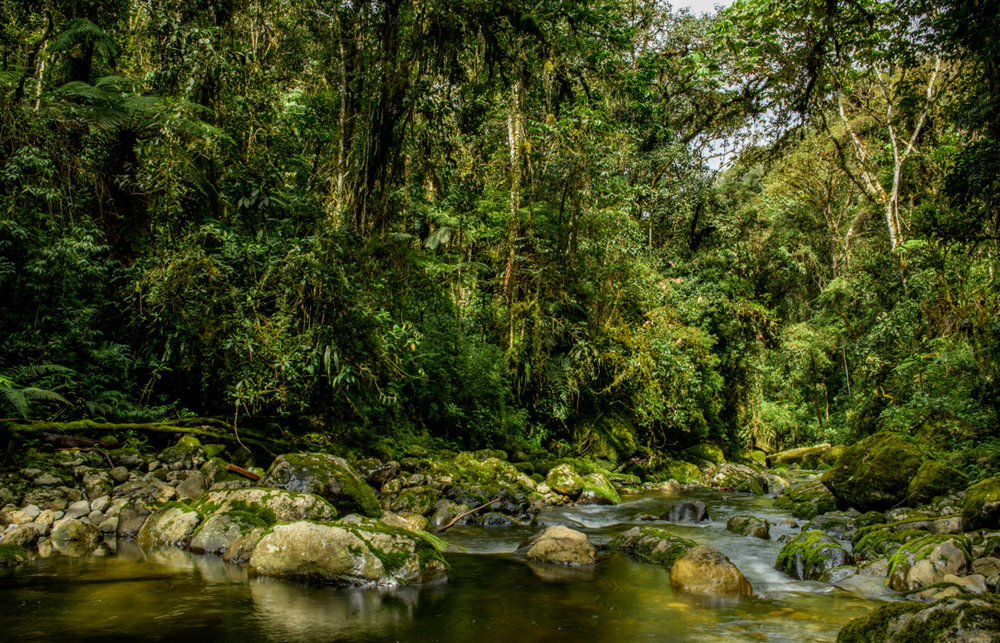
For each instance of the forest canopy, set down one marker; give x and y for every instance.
(608, 227)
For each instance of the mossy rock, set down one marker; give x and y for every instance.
(880, 541)
(874, 474)
(417, 500)
(682, 471)
(933, 479)
(807, 501)
(564, 480)
(598, 490)
(651, 545)
(810, 554)
(750, 526)
(736, 477)
(752, 457)
(831, 456)
(269, 505)
(960, 618)
(982, 505)
(12, 555)
(927, 560)
(706, 452)
(327, 476)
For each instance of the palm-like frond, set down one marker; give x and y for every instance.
(15, 400)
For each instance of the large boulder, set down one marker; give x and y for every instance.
(875, 473)
(652, 545)
(347, 554)
(686, 511)
(560, 545)
(705, 570)
(811, 555)
(926, 561)
(750, 526)
(961, 619)
(705, 452)
(982, 505)
(598, 490)
(170, 527)
(71, 530)
(564, 480)
(933, 479)
(274, 505)
(326, 476)
(736, 477)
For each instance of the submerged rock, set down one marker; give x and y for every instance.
(326, 476)
(810, 555)
(705, 570)
(686, 511)
(968, 619)
(560, 545)
(652, 545)
(875, 473)
(750, 526)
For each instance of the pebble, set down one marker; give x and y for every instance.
(32, 511)
(96, 517)
(109, 525)
(119, 474)
(100, 504)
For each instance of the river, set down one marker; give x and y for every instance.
(494, 597)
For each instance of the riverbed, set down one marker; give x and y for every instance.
(494, 596)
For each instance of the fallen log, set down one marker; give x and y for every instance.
(240, 471)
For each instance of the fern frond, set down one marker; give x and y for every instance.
(35, 393)
(14, 399)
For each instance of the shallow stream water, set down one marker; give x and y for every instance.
(494, 595)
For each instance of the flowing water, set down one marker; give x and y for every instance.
(494, 596)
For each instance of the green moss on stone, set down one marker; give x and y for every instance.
(12, 555)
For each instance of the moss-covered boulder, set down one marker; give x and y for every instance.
(186, 454)
(967, 618)
(927, 560)
(881, 541)
(811, 554)
(807, 500)
(839, 524)
(804, 457)
(597, 490)
(564, 480)
(875, 473)
(173, 526)
(418, 500)
(216, 534)
(326, 476)
(348, 554)
(750, 526)
(736, 477)
(681, 471)
(933, 479)
(559, 545)
(651, 545)
(705, 570)
(982, 505)
(706, 452)
(274, 505)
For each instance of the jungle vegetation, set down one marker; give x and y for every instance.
(594, 226)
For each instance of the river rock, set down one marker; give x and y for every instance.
(109, 525)
(186, 454)
(171, 527)
(982, 505)
(926, 561)
(933, 479)
(346, 555)
(325, 475)
(560, 545)
(217, 532)
(47, 497)
(564, 480)
(686, 511)
(736, 477)
(97, 484)
(960, 619)
(839, 524)
(147, 489)
(119, 474)
(705, 452)
(78, 509)
(420, 499)
(72, 530)
(705, 570)
(989, 568)
(193, 486)
(875, 473)
(22, 536)
(651, 545)
(597, 490)
(273, 505)
(750, 526)
(375, 472)
(810, 555)
(131, 519)
(808, 500)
